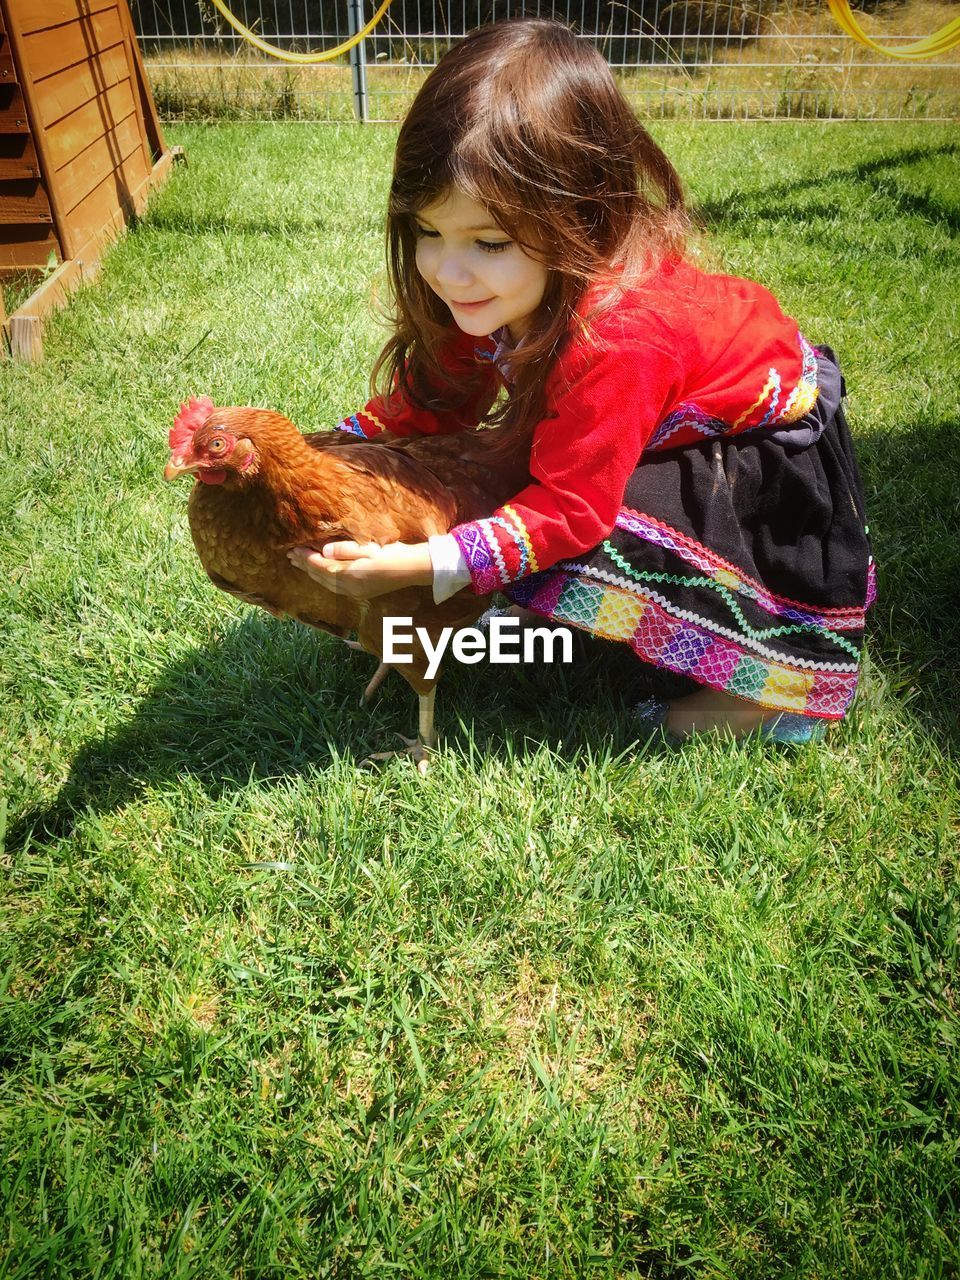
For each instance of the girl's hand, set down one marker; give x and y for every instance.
(364, 570)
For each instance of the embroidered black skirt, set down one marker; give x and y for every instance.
(742, 562)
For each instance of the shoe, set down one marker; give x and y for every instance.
(525, 624)
(787, 727)
(792, 729)
(651, 713)
(495, 611)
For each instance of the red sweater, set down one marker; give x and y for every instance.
(683, 357)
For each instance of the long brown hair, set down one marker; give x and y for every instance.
(525, 118)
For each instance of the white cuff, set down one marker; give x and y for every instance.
(450, 571)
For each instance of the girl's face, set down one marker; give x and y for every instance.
(483, 276)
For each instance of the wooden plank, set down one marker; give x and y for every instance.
(53, 292)
(39, 140)
(105, 156)
(47, 52)
(18, 157)
(16, 168)
(27, 248)
(8, 72)
(114, 195)
(153, 139)
(97, 119)
(32, 16)
(13, 110)
(24, 200)
(160, 172)
(26, 339)
(91, 252)
(25, 325)
(69, 90)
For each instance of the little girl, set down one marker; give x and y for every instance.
(693, 487)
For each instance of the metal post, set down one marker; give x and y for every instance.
(358, 62)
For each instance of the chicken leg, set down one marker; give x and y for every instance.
(422, 746)
(376, 681)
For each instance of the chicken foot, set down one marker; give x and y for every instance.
(423, 745)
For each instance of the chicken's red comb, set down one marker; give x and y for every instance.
(193, 414)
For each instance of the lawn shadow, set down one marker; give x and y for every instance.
(272, 699)
(913, 506)
(770, 200)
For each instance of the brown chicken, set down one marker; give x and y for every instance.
(263, 488)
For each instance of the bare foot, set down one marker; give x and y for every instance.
(710, 711)
(524, 614)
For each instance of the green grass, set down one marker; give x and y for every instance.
(569, 1007)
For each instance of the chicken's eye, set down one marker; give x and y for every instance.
(217, 445)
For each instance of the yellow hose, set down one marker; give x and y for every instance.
(299, 58)
(929, 47)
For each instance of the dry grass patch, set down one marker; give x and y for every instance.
(792, 63)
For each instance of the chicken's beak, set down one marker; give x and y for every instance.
(177, 467)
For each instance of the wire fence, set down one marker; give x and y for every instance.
(696, 59)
